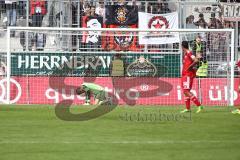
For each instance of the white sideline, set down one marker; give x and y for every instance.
(117, 142)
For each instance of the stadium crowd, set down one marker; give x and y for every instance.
(76, 13)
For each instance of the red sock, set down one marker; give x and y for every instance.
(195, 101)
(187, 102)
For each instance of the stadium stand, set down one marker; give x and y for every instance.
(53, 13)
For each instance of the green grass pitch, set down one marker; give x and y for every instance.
(35, 133)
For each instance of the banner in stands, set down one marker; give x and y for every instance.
(93, 22)
(231, 11)
(121, 14)
(121, 41)
(144, 91)
(84, 65)
(158, 21)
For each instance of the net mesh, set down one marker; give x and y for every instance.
(49, 65)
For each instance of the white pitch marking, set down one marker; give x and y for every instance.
(115, 142)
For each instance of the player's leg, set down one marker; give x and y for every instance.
(80, 91)
(189, 96)
(194, 99)
(100, 99)
(87, 98)
(187, 100)
(237, 111)
(185, 83)
(97, 101)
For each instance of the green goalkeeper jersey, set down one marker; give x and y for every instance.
(93, 88)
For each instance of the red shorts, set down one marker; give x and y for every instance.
(187, 82)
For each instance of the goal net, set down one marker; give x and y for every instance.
(46, 65)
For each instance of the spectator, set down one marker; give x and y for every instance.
(223, 41)
(23, 34)
(201, 23)
(164, 8)
(199, 48)
(3, 67)
(151, 7)
(218, 45)
(93, 11)
(141, 6)
(38, 10)
(100, 10)
(40, 41)
(54, 13)
(76, 21)
(23, 40)
(87, 9)
(190, 22)
(2, 9)
(22, 9)
(160, 7)
(190, 37)
(11, 13)
(117, 66)
(190, 25)
(229, 24)
(214, 22)
(86, 13)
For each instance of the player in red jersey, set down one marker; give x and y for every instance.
(188, 74)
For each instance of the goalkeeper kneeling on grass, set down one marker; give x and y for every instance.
(93, 89)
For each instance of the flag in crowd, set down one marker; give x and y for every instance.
(158, 21)
(93, 22)
(121, 15)
(122, 40)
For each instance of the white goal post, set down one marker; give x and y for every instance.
(65, 39)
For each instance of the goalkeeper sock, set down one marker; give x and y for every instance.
(87, 99)
(187, 102)
(195, 101)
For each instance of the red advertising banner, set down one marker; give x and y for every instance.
(142, 91)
